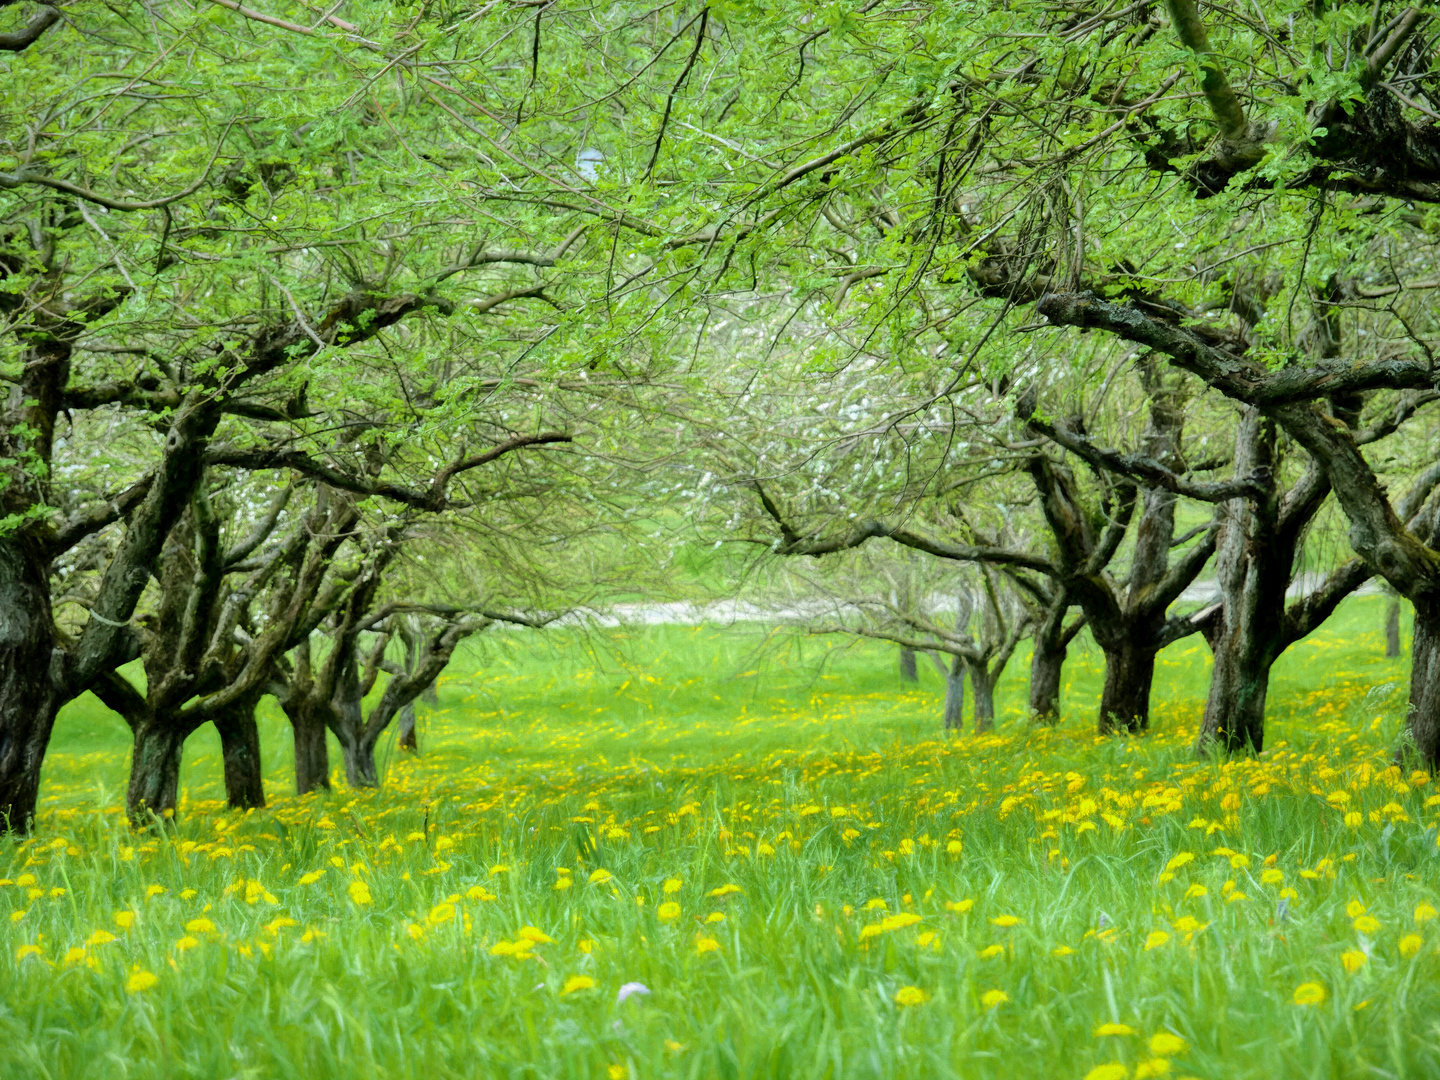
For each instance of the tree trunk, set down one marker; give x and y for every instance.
(154, 773)
(408, 740)
(955, 695)
(982, 689)
(1125, 699)
(1392, 628)
(28, 697)
(1425, 685)
(908, 671)
(312, 754)
(348, 724)
(240, 749)
(1235, 710)
(1046, 665)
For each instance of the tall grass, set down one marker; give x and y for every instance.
(874, 863)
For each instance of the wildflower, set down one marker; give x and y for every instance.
(630, 989)
(1005, 921)
(1366, 924)
(910, 995)
(598, 877)
(706, 944)
(1310, 994)
(715, 916)
(100, 937)
(479, 892)
(1164, 1044)
(275, 925)
(1114, 1029)
(990, 951)
(959, 905)
(1423, 913)
(184, 943)
(1353, 819)
(200, 926)
(1272, 877)
(1354, 909)
(312, 877)
(531, 934)
(1153, 1067)
(1112, 1071)
(359, 892)
(124, 919)
(668, 910)
(585, 945)
(994, 998)
(1195, 891)
(1354, 960)
(188, 894)
(954, 847)
(28, 950)
(618, 1072)
(673, 1046)
(671, 886)
(440, 913)
(725, 890)
(874, 905)
(495, 871)
(900, 921)
(1180, 860)
(140, 981)
(1062, 950)
(154, 890)
(576, 983)
(1410, 945)
(1155, 939)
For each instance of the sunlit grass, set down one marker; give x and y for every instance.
(856, 896)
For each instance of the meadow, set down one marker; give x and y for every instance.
(727, 852)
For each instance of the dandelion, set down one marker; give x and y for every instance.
(185, 943)
(576, 983)
(715, 916)
(1062, 950)
(1410, 945)
(200, 926)
(961, 906)
(994, 998)
(154, 890)
(312, 877)
(124, 919)
(1366, 924)
(725, 890)
(954, 847)
(668, 910)
(671, 886)
(140, 981)
(1155, 939)
(1423, 913)
(706, 944)
(1165, 1044)
(1180, 860)
(1354, 960)
(359, 892)
(599, 877)
(440, 913)
(1309, 994)
(28, 950)
(1195, 891)
(900, 921)
(910, 995)
(1114, 1029)
(1005, 921)
(1153, 1067)
(100, 937)
(1272, 877)
(275, 925)
(618, 1072)
(1354, 909)
(1112, 1071)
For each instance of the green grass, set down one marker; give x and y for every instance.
(804, 775)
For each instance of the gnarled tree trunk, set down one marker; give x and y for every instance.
(908, 671)
(348, 723)
(982, 691)
(408, 740)
(240, 749)
(1125, 698)
(1392, 628)
(28, 698)
(1425, 684)
(955, 695)
(154, 787)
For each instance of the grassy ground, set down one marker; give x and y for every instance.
(853, 896)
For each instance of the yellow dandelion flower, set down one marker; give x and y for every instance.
(1180, 860)
(576, 983)
(715, 916)
(1366, 924)
(910, 995)
(359, 892)
(28, 950)
(1309, 994)
(959, 905)
(100, 937)
(184, 943)
(1155, 939)
(671, 886)
(440, 913)
(140, 981)
(726, 890)
(1165, 1044)
(991, 999)
(1410, 945)
(154, 890)
(1062, 950)
(1195, 891)
(1354, 909)
(668, 910)
(1114, 1029)
(990, 951)
(1354, 960)
(1423, 913)
(706, 944)
(124, 919)
(600, 876)
(312, 877)
(1005, 921)
(1111, 1071)
(200, 926)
